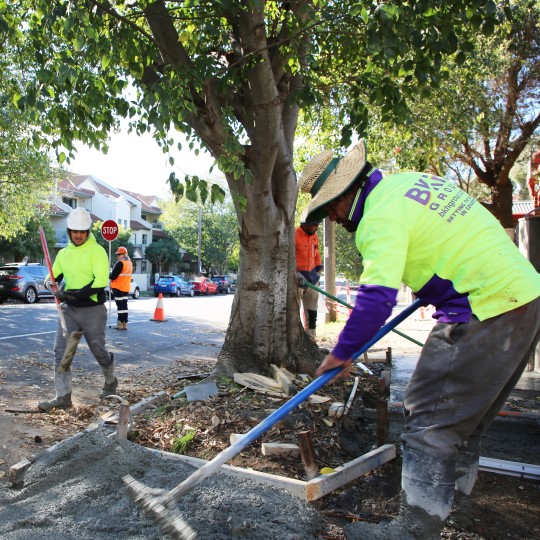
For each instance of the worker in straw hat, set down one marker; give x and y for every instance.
(423, 231)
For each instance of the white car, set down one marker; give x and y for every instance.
(134, 290)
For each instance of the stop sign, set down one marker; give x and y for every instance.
(109, 230)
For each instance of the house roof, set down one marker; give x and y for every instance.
(521, 208)
(71, 186)
(156, 233)
(147, 201)
(135, 225)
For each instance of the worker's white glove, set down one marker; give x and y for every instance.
(49, 287)
(301, 281)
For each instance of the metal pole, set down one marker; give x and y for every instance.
(330, 265)
(199, 242)
(110, 290)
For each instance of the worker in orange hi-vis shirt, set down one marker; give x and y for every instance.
(308, 268)
(533, 179)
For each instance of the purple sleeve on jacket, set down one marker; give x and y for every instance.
(373, 306)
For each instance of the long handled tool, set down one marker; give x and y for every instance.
(160, 503)
(72, 340)
(343, 303)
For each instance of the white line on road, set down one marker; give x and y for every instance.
(28, 335)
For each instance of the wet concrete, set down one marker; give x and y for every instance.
(76, 493)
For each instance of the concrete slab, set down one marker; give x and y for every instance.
(403, 366)
(200, 392)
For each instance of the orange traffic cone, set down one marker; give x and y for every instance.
(159, 314)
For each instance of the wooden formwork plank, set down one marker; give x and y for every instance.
(293, 486)
(286, 384)
(322, 485)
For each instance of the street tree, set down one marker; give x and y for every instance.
(219, 232)
(26, 177)
(123, 239)
(163, 253)
(27, 244)
(482, 120)
(234, 75)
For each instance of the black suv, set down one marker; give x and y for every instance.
(223, 283)
(23, 281)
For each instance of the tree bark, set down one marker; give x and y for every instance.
(501, 203)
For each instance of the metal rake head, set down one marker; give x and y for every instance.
(161, 508)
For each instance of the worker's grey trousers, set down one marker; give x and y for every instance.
(463, 377)
(92, 321)
(310, 299)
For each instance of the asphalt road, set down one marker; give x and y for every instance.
(193, 333)
(195, 325)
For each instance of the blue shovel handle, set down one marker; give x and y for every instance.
(318, 383)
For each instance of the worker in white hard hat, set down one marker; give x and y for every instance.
(120, 277)
(84, 268)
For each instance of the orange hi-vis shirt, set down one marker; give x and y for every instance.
(308, 256)
(123, 281)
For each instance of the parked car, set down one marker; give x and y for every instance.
(134, 290)
(203, 285)
(23, 281)
(223, 283)
(173, 286)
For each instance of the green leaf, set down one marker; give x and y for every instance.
(78, 43)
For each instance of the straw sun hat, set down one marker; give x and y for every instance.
(327, 178)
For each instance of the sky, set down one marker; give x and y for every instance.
(136, 163)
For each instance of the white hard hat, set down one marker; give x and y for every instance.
(79, 220)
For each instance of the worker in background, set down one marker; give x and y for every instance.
(423, 231)
(120, 277)
(84, 267)
(533, 181)
(308, 267)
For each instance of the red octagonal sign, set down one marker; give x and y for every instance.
(109, 230)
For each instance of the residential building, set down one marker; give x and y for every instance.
(133, 211)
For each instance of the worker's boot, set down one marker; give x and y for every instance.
(62, 386)
(111, 382)
(118, 326)
(427, 482)
(466, 475)
(124, 326)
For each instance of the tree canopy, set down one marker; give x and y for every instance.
(482, 119)
(219, 232)
(26, 178)
(162, 253)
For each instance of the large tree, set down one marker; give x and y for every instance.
(234, 75)
(482, 119)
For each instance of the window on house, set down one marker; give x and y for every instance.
(144, 239)
(144, 266)
(70, 202)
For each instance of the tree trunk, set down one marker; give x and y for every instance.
(265, 326)
(501, 203)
